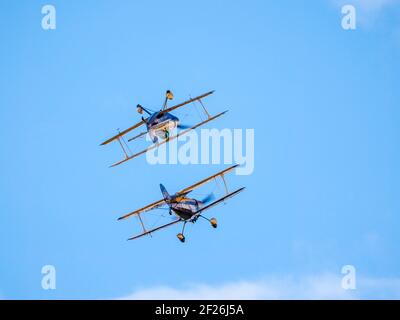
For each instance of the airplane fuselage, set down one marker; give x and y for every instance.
(185, 208)
(160, 124)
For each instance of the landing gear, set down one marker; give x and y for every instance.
(212, 221)
(166, 135)
(180, 236)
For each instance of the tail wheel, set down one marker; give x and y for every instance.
(181, 237)
(214, 222)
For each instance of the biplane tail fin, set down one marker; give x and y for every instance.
(165, 193)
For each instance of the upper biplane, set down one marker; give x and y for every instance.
(185, 209)
(159, 124)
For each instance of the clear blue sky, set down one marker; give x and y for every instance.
(324, 103)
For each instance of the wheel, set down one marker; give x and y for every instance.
(181, 237)
(169, 95)
(213, 222)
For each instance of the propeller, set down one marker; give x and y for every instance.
(208, 198)
(183, 126)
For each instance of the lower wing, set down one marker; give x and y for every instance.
(155, 229)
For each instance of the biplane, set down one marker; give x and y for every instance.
(184, 208)
(159, 124)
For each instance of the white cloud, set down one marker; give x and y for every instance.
(325, 286)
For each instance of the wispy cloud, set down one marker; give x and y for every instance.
(325, 286)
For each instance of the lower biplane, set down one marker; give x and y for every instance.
(159, 124)
(184, 208)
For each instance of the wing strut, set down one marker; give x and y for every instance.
(226, 186)
(205, 110)
(141, 222)
(122, 143)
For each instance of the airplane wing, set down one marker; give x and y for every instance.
(149, 207)
(212, 204)
(198, 184)
(123, 133)
(170, 139)
(155, 229)
(188, 101)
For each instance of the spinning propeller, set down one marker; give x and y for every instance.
(208, 198)
(183, 126)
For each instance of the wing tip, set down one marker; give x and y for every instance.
(103, 143)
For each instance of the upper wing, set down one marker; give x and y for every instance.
(188, 101)
(155, 229)
(149, 207)
(212, 204)
(123, 133)
(198, 184)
